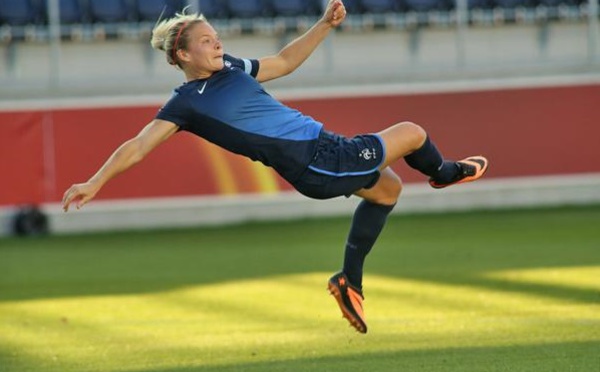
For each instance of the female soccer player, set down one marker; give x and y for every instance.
(223, 102)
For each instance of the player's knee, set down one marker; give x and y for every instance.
(415, 132)
(394, 192)
(390, 197)
(389, 194)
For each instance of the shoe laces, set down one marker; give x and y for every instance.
(466, 169)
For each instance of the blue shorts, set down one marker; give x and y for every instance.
(342, 166)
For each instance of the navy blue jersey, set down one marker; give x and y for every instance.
(232, 110)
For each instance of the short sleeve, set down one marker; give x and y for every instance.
(176, 110)
(249, 66)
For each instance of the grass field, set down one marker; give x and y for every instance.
(489, 291)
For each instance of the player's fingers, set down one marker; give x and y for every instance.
(332, 6)
(339, 11)
(66, 195)
(83, 201)
(66, 200)
(70, 194)
(335, 7)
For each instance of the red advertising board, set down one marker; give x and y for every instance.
(524, 132)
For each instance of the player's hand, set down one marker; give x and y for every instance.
(335, 13)
(79, 194)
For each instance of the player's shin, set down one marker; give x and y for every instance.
(367, 223)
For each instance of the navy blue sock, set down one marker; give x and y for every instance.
(369, 219)
(429, 161)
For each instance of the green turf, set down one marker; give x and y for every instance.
(514, 291)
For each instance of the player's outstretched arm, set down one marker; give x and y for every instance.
(128, 154)
(296, 52)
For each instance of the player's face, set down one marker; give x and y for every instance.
(204, 54)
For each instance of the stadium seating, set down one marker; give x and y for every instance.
(295, 7)
(560, 2)
(510, 4)
(108, 11)
(428, 5)
(95, 19)
(247, 8)
(17, 12)
(352, 6)
(212, 8)
(480, 4)
(70, 12)
(150, 10)
(380, 6)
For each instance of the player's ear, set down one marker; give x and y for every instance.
(183, 55)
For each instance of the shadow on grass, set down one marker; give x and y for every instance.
(451, 249)
(12, 360)
(554, 357)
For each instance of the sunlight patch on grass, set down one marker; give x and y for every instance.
(288, 317)
(472, 314)
(582, 277)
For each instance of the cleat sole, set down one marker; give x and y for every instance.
(335, 292)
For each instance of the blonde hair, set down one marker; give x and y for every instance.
(170, 35)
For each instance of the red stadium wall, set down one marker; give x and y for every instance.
(524, 132)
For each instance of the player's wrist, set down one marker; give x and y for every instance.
(95, 184)
(325, 23)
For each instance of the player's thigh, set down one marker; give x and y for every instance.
(386, 191)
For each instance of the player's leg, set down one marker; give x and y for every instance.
(409, 141)
(368, 221)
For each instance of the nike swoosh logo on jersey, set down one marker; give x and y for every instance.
(202, 90)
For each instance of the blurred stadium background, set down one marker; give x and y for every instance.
(496, 289)
(518, 80)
